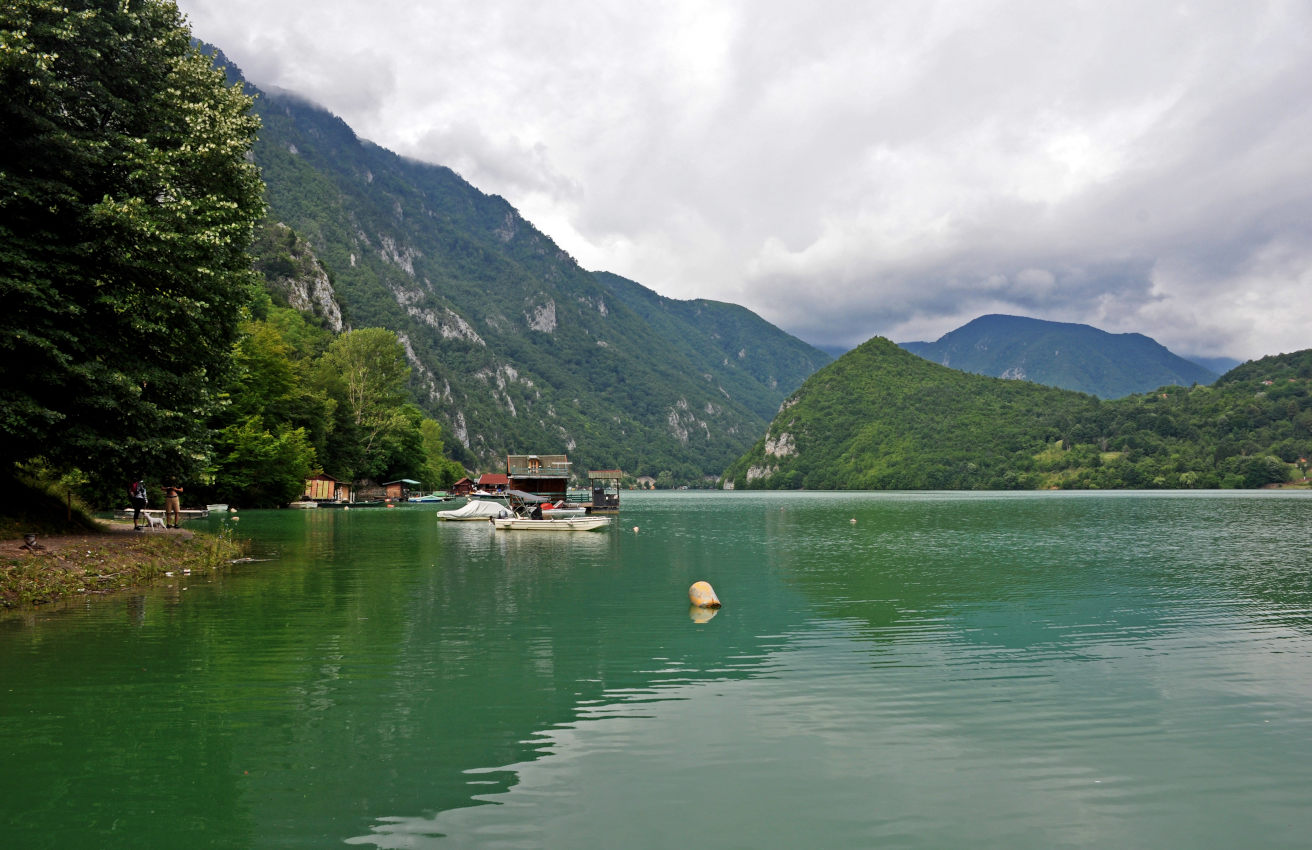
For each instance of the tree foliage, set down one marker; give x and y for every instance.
(300, 400)
(126, 206)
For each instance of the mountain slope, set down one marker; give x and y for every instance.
(1059, 354)
(513, 346)
(751, 359)
(880, 417)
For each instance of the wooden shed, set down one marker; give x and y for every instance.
(399, 490)
(325, 488)
(493, 482)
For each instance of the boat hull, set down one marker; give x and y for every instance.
(563, 513)
(585, 523)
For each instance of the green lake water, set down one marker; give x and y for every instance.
(1033, 670)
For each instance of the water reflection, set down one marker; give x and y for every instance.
(701, 615)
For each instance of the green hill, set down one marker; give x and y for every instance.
(513, 347)
(882, 418)
(1061, 354)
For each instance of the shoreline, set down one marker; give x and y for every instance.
(110, 559)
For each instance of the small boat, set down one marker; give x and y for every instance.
(431, 497)
(475, 511)
(581, 523)
(216, 508)
(303, 504)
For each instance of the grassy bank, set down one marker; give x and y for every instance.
(104, 561)
(77, 554)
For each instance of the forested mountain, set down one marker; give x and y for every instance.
(880, 417)
(1061, 354)
(513, 346)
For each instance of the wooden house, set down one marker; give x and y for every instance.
(463, 487)
(541, 475)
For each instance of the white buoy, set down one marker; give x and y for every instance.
(852, 520)
(702, 595)
(635, 529)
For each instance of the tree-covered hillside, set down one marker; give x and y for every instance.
(1061, 354)
(751, 359)
(882, 418)
(513, 346)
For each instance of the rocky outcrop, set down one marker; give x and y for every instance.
(292, 270)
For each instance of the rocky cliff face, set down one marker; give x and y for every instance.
(294, 273)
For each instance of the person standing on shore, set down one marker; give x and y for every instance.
(137, 496)
(172, 505)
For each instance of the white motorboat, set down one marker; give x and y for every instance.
(580, 523)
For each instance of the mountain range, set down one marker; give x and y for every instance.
(1060, 354)
(513, 346)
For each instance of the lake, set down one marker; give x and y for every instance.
(909, 670)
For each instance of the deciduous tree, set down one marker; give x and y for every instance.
(127, 200)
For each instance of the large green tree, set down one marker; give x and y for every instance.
(127, 200)
(364, 371)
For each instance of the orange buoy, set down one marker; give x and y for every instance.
(702, 595)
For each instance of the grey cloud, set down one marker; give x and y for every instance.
(849, 169)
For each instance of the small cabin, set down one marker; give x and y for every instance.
(400, 489)
(325, 488)
(463, 487)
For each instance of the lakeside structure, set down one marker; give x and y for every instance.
(605, 490)
(542, 475)
(548, 476)
(400, 489)
(325, 488)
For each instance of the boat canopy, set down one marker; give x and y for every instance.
(527, 498)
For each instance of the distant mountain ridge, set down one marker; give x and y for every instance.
(1059, 354)
(513, 347)
(881, 418)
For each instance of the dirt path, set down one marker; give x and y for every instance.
(114, 536)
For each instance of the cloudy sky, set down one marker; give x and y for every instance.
(851, 168)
